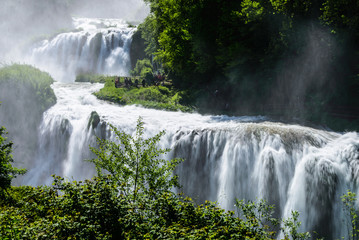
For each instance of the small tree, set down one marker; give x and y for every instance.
(143, 69)
(291, 226)
(7, 171)
(348, 201)
(258, 216)
(134, 163)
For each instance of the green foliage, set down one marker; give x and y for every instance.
(93, 210)
(243, 49)
(7, 171)
(29, 79)
(134, 163)
(291, 226)
(341, 14)
(133, 202)
(349, 200)
(92, 78)
(157, 97)
(251, 10)
(179, 218)
(76, 210)
(130, 199)
(143, 69)
(258, 216)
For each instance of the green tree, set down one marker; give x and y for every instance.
(348, 201)
(291, 226)
(135, 163)
(143, 69)
(341, 14)
(258, 216)
(7, 171)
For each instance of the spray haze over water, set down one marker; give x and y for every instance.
(293, 167)
(24, 21)
(96, 46)
(303, 77)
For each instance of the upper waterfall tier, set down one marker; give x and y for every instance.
(95, 46)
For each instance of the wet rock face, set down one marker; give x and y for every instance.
(94, 120)
(137, 51)
(65, 128)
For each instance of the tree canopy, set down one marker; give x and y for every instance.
(262, 56)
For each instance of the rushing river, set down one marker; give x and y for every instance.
(291, 166)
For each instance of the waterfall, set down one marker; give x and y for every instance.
(94, 46)
(293, 167)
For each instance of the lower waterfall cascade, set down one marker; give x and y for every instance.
(291, 166)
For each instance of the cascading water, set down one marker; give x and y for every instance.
(95, 46)
(293, 167)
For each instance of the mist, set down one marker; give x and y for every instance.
(23, 22)
(23, 25)
(130, 10)
(299, 85)
(303, 77)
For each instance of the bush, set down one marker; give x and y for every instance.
(19, 77)
(143, 69)
(134, 164)
(7, 171)
(157, 97)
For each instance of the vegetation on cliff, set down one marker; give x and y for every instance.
(288, 59)
(26, 81)
(25, 93)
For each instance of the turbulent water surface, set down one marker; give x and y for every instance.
(293, 167)
(94, 46)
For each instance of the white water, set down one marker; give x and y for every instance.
(95, 45)
(291, 166)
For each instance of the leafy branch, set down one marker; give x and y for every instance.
(135, 164)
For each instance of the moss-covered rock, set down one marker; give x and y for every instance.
(94, 120)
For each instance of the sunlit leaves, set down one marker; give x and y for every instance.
(135, 163)
(251, 10)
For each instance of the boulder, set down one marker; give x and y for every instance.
(94, 120)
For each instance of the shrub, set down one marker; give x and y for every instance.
(7, 171)
(135, 165)
(27, 78)
(143, 69)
